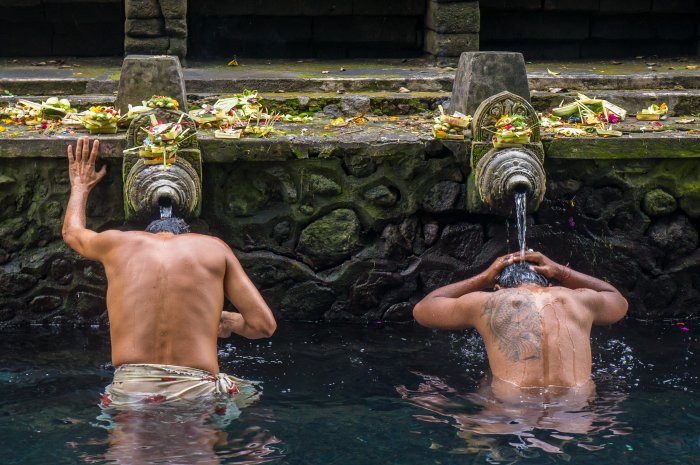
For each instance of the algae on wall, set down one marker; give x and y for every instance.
(362, 235)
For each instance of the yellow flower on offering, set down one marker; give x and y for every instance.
(160, 101)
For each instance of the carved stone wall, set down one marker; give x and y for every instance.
(361, 238)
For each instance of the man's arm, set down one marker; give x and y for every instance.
(83, 177)
(605, 302)
(455, 306)
(255, 319)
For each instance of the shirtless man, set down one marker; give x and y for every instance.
(536, 336)
(165, 298)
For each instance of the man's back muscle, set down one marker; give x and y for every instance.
(165, 298)
(537, 337)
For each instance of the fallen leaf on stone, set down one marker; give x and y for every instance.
(553, 73)
(39, 63)
(403, 90)
(616, 62)
(555, 90)
(686, 120)
(325, 71)
(651, 64)
(233, 62)
(280, 91)
(340, 91)
(342, 69)
(691, 67)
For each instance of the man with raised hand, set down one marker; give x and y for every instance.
(165, 295)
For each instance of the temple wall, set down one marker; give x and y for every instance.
(361, 234)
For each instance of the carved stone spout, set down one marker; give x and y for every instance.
(148, 187)
(504, 172)
(498, 173)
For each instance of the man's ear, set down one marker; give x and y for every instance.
(497, 287)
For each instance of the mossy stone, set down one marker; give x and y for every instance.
(321, 185)
(331, 239)
(658, 202)
(381, 196)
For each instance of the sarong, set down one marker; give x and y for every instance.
(139, 386)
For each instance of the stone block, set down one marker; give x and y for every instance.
(143, 76)
(451, 18)
(510, 5)
(450, 44)
(545, 25)
(393, 8)
(676, 6)
(483, 74)
(571, 5)
(625, 6)
(153, 27)
(141, 45)
(174, 9)
(142, 9)
(177, 47)
(176, 28)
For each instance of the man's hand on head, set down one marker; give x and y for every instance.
(81, 165)
(498, 265)
(546, 266)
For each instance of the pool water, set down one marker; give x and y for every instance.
(359, 395)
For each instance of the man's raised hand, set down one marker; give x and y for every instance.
(81, 165)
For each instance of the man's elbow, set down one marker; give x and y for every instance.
(70, 239)
(265, 330)
(419, 313)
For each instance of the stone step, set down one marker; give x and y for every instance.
(101, 76)
(680, 102)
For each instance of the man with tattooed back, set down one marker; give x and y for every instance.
(537, 336)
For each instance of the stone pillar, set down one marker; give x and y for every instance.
(483, 74)
(156, 27)
(143, 76)
(451, 27)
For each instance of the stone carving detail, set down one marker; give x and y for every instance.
(505, 103)
(500, 172)
(147, 186)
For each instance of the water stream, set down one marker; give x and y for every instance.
(166, 211)
(520, 218)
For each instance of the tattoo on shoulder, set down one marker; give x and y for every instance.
(514, 321)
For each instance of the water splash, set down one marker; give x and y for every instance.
(520, 218)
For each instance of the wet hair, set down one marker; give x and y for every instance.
(520, 273)
(170, 225)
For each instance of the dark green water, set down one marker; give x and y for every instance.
(347, 395)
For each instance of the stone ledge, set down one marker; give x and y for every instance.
(658, 145)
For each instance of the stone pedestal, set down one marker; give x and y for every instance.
(143, 76)
(483, 74)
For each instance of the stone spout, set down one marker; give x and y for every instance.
(150, 186)
(503, 172)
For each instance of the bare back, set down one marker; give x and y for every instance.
(537, 336)
(165, 296)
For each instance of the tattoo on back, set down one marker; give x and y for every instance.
(514, 321)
